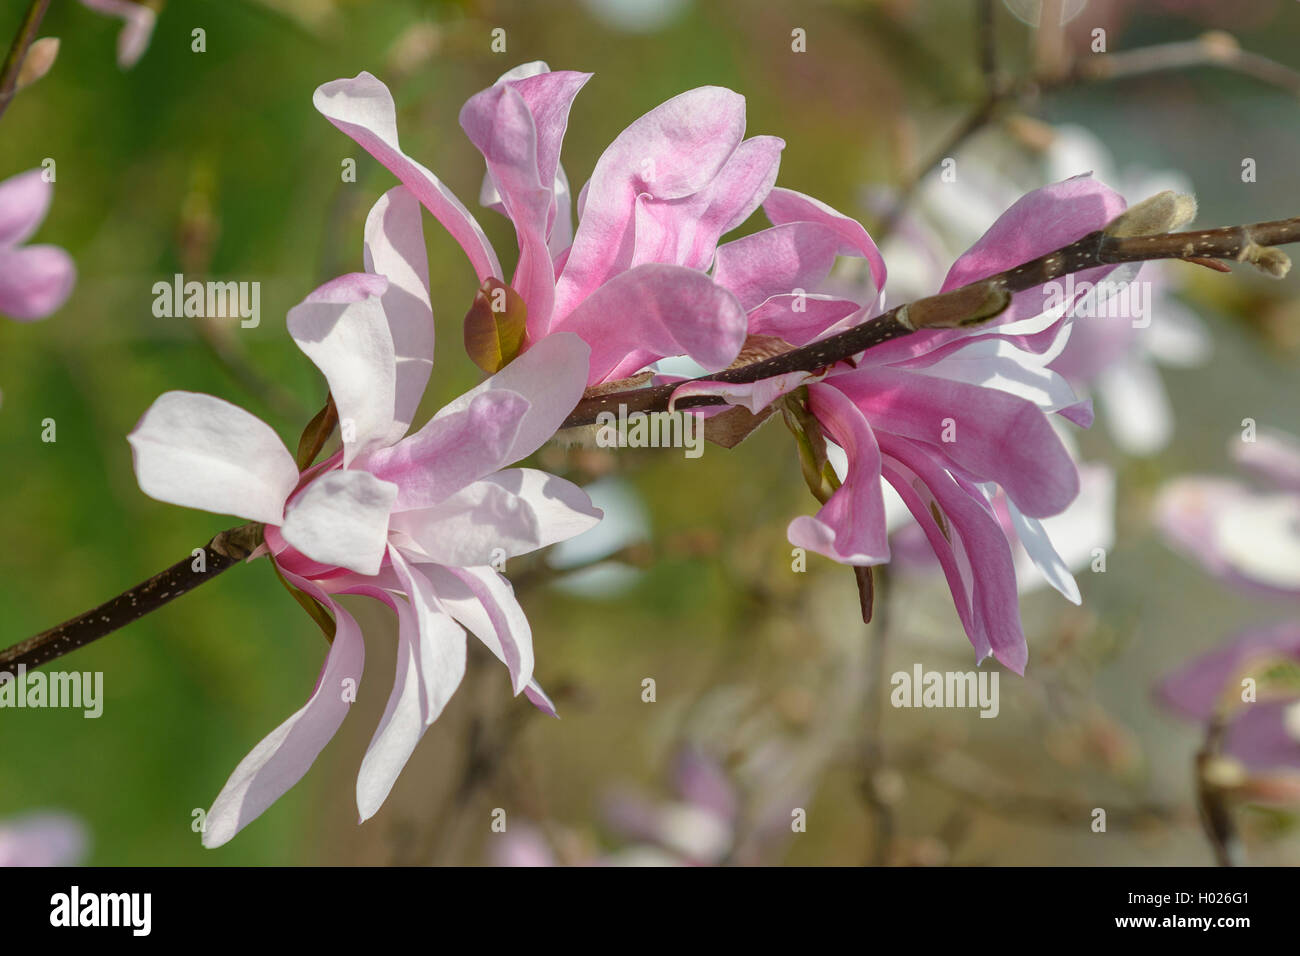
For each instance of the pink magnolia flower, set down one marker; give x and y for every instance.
(34, 280)
(418, 521)
(1246, 536)
(138, 21)
(42, 839)
(944, 416)
(631, 279)
(1262, 724)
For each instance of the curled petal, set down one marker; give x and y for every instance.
(35, 281)
(285, 755)
(363, 109)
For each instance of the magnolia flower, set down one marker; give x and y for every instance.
(947, 416)
(42, 839)
(1115, 348)
(1251, 685)
(34, 280)
(417, 521)
(1242, 535)
(630, 280)
(138, 21)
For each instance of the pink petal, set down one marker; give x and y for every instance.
(138, 27)
(1274, 455)
(484, 602)
(970, 545)
(451, 451)
(352, 346)
(341, 519)
(552, 375)
(363, 109)
(997, 436)
(34, 281)
(431, 657)
(799, 319)
(850, 527)
(671, 152)
(654, 311)
(786, 205)
(519, 125)
(201, 452)
(394, 249)
(510, 513)
(24, 203)
(777, 261)
(685, 231)
(282, 758)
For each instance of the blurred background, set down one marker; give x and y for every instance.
(767, 698)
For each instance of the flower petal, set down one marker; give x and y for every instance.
(35, 281)
(995, 436)
(341, 519)
(551, 374)
(510, 513)
(786, 205)
(201, 452)
(484, 602)
(671, 152)
(451, 451)
(282, 758)
(655, 311)
(363, 109)
(850, 527)
(351, 344)
(24, 202)
(394, 249)
(431, 657)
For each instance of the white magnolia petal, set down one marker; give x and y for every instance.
(286, 754)
(341, 518)
(351, 344)
(394, 248)
(201, 452)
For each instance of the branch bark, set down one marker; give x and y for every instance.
(23, 40)
(224, 551)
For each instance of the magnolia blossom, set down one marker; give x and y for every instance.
(1249, 684)
(42, 839)
(1243, 535)
(35, 280)
(1117, 345)
(946, 417)
(138, 21)
(418, 521)
(631, 279)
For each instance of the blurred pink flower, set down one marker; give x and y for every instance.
(631, 279)
(42, 839)
(34, 280)
(1246, 536)
(1262, 727)
(137, 27)
(944, 416)
(426, 517)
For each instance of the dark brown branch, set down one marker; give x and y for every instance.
(1247, 243)
(224, 551)
(23, 40)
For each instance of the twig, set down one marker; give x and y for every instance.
(873, 750)
(1095, 249)
(1211, 799)
(224, 551)
(1251, 243)
(23, 40)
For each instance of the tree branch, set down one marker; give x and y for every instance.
(1252, 243)
(23, 40)
(223, 551)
